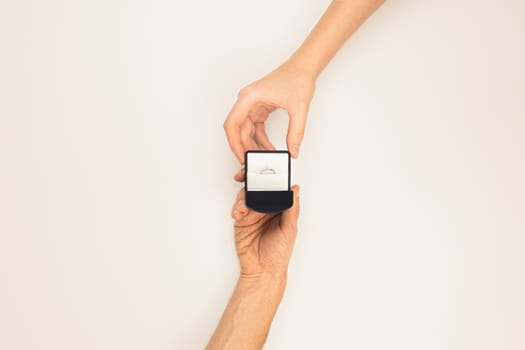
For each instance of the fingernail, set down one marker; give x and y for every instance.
(295, 150)
(240, 203)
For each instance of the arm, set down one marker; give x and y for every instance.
(291, 85)
(338, 23)
(264, 244)
(249, 314)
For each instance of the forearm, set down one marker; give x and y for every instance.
(338, 23)
(247, 318)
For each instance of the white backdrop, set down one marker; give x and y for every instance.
(116, 179)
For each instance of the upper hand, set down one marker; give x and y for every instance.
(287, 87)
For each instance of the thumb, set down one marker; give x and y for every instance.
(296, 128)
(290, 216)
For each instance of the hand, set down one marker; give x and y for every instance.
(264, 242)
(288, 87)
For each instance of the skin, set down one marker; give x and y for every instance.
(265, 242)
(291, 85)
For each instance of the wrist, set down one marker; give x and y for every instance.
(304, 64)
(263, 280)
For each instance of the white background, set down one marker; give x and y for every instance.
(116, 179)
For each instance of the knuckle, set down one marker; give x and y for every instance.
(246, 91)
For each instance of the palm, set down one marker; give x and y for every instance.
(259, 242)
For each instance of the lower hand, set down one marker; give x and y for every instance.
(264, 242)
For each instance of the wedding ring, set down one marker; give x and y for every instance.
(267, 171)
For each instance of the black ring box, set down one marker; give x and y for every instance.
(268, 201)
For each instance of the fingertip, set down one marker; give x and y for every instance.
(294, 150)
(296, 191)
(239, 176)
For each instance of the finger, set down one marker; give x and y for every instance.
(262, 138)
(291, 215)
(233, 123)
(296, 128)
(242, 214)
(239, 176)
(239, 209)
(248, 135)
